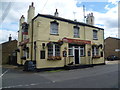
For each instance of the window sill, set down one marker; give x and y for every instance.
(54, 58)
(54, 34)
(95, 38)
(82, 56)
(76, 37)
(71, 56)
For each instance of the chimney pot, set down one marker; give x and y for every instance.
(32, 4)
(10, 38)
(56, 13)
(22, 16)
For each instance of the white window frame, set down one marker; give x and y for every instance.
(50, 54)
(53, 28)
(82, 48)
(76, 32)
(96, 53)
(54, 52)
(95, 34)
(79, 48)
(71, 48)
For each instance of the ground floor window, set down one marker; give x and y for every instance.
(81, 49)
(70, 50)
(53, 50)
(24, 53)
(95, 51)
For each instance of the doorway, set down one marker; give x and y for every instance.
(76, 56)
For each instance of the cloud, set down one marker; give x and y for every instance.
(113, 1)
(4, 34)
(107, 20)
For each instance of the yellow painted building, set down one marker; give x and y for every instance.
(51, 41)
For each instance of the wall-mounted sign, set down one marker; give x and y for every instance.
(64, 53)
(76, 41)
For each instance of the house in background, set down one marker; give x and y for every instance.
(112, 47)
(8, 52)
(51, 41)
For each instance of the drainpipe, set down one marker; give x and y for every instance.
(32, 40)
(103, 47)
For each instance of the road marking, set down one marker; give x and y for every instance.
(4, 73)
(32, 84)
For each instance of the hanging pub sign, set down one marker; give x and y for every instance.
(24, 28)
(23, 42)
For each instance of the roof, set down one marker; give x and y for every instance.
(9, 42)
(65, 20)
(112, 38)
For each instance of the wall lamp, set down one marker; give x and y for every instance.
(43, 45)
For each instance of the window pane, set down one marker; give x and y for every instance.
(94, 34)
(95, 51)
(70, 52)
(81, 51)
(50, 50)
(76, 32)
(54, 28)
(57, 50)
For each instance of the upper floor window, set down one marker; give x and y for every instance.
(76, 32)
(54, 27)
(95, 36)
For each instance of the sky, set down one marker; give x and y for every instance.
(104, 11)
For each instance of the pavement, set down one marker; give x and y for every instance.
(103, 76)
(16, 67)
(112, 62)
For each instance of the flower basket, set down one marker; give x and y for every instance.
(96, 57)
(54, 58)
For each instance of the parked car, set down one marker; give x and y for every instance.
(112, 57)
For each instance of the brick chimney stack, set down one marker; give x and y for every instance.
(90, 19)
(31, 13)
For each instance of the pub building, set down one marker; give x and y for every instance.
(51, 41)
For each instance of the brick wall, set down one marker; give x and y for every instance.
(110, 45)
(7, 49)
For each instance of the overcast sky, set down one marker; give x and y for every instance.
(104, 11)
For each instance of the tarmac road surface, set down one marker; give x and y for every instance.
(103, 76)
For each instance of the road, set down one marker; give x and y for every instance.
(103, 76)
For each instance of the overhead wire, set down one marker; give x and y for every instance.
(44, 5)
(6, 11)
